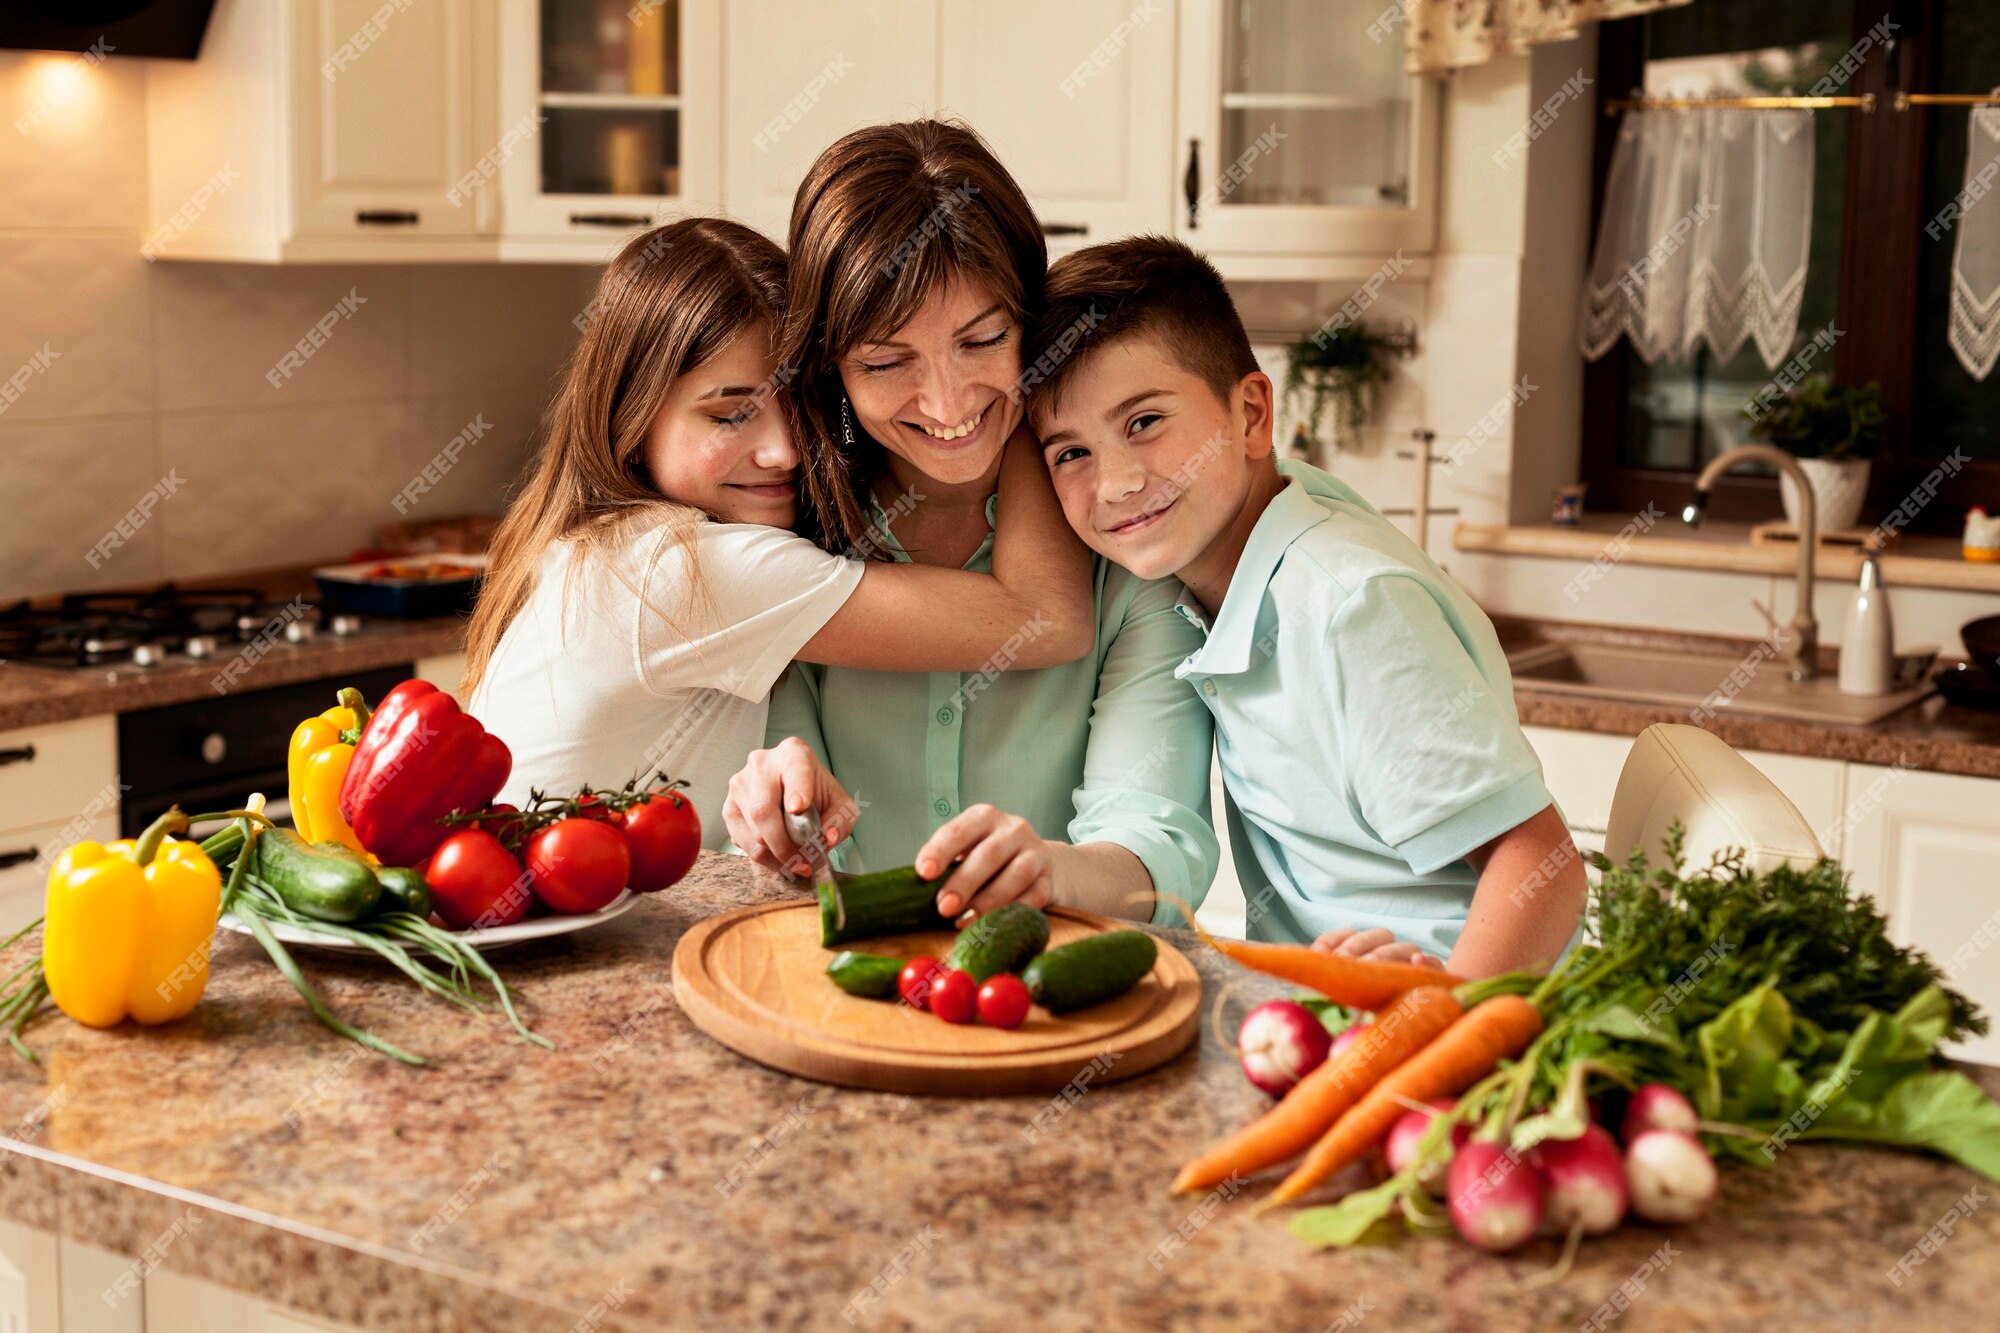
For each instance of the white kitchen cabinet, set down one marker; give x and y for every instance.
(1077, 98)
(176, 1303)
(58, 785)
(838, 68)
(327, 130)
(1926, 847)
(1305, 150)
(618, 109)
(30, 1271)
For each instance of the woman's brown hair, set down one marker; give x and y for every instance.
(886, 215)
(673, 299)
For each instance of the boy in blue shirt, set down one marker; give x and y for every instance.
(1382, 800)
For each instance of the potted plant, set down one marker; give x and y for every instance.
(1833, 430)
(1342, 367)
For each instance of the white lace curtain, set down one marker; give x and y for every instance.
(1975, 260)
(1705, 235)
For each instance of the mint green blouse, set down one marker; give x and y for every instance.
(1110, 748)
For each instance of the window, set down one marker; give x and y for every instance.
(1874, 274)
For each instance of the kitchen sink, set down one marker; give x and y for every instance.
(1756, 683)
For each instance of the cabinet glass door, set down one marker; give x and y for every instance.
(610, 97)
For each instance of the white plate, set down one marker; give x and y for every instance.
(493, 937)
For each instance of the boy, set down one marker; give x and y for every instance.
(1382, 800)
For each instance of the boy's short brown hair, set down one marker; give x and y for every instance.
(1140, 285)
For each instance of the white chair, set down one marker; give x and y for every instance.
(1683, 774)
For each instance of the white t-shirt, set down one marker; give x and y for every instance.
(599, 687)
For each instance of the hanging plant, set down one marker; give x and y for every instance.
(1344, 369)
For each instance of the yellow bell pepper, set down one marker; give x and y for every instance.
(317, 766)
(129, 927)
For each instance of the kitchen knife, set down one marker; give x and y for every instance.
(804, 830)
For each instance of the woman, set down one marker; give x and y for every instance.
(915, 261)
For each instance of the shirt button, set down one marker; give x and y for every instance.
(1208, 687)
(941, 806)
(945, 716)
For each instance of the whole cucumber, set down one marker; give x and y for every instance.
(1090, 970)
(1000, 941)
(404, 889)
(872, 976)
(325, 880)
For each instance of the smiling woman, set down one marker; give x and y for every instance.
(916, 264)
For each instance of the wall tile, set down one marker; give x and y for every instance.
(474, 324)
(64, 485)
(80, 303)
(72, 141)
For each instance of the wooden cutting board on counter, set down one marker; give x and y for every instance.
(755, 980)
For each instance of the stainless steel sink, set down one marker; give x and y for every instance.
(1756, 683)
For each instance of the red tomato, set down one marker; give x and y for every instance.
(954, 995)
(1003, 1001)
(665, 835)
(913, 983)
(593, 807)
(577, 865)
(475, 882)
(494, 817)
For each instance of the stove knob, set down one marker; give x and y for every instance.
(298, 631)
(147, 655)
(213, 747)
(344, 625)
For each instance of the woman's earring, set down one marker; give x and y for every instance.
(846, 427)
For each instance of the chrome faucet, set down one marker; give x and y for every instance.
(1804, 632)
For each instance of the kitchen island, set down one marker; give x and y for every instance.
(642, 1176)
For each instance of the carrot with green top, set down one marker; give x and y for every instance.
(1356, 983)
(1404, 1029)
(1493, 1030)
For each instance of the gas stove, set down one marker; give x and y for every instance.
(167, 625)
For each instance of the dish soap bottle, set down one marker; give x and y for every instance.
(1868, 641)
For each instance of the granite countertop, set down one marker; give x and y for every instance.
(642, 1166)
(31, 696)
(1931, 735)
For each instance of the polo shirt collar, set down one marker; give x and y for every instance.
(1232, 639)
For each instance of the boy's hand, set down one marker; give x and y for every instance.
(1377, 946)
(786, 777)
(1000, 857)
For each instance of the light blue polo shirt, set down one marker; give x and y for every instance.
(1364, 720)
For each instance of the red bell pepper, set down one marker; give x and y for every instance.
(419, 759)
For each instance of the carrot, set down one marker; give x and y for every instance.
(1320, 1098)
(1489, 1032)
(1354, 982)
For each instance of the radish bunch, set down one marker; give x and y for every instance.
(1499, 1197)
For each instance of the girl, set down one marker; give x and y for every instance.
(645, 593)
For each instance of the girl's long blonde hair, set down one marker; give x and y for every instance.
(673, 299)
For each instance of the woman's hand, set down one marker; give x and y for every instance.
(1377, 946)
(1001, 859)
(786, 777)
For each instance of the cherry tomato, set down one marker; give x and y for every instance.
(913, 983)
(493, 818)
(1003, 1001)
(665, 835)
(475, 882)
(593, 807)
(954, 995)
(577, 865)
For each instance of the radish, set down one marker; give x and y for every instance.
(1672, 1176)
(1400, 1148)
(1282, 1042)
(1495, 1196)
(1657, 1106)
(1586, 1182)
(1350, 1034)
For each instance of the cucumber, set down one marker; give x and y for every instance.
(1090, 971)
(1000, 941)
(325, 880)
(888, 902)
(872, 976)
(404, 889)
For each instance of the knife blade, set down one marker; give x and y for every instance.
(804, 830)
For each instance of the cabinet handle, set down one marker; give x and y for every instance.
(1192, 184)
(386, 217)
(609, 220)
(20, 754)
(1065, 229)
(8, 860)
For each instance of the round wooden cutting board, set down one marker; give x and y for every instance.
(755, 980)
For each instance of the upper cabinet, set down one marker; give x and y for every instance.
(1306, 149)
(616, 108)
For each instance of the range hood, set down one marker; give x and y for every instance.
(162, 29)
